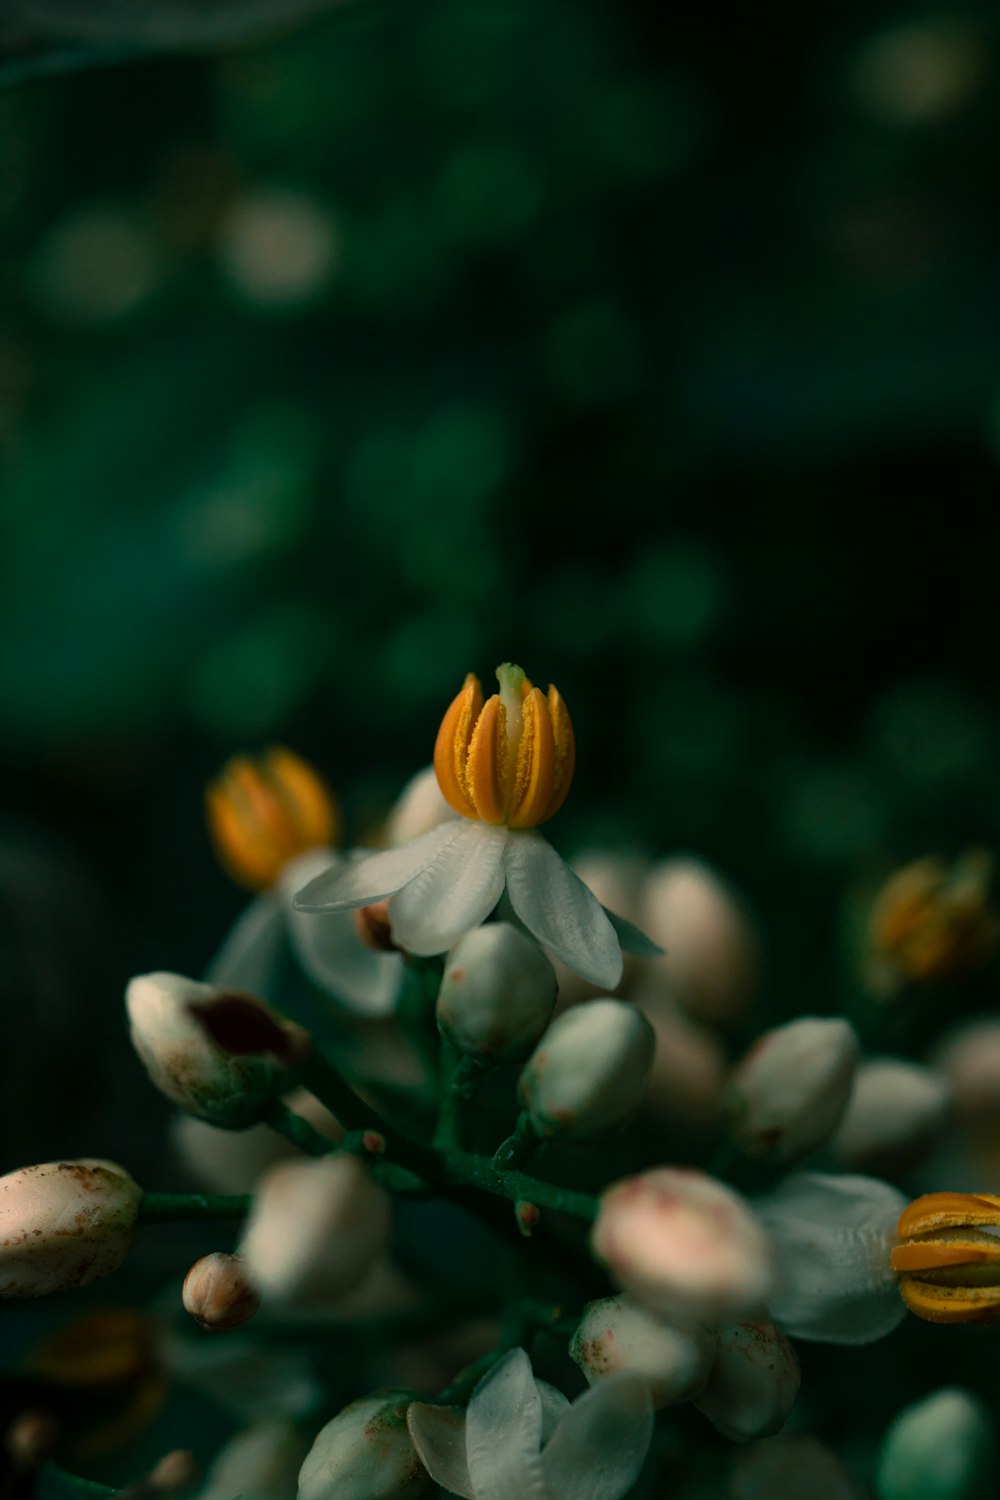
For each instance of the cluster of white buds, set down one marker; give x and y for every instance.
(64, 1224)
(589, 1072)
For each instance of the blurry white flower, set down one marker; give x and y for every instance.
(64, 1224)
(185, 1064)
(217, 1292)
(588, 1074)
(684, 1244)
(505, 765)
(940, 1448)
(753, 1382)
(497, 993)
(277, 247)
(711, 950)
(833, 1239)
(315, 1229)
(619, 1336)
(520, 1439)
(895, 1113)
(365, 1453)
(789, 1092)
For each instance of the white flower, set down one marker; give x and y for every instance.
(520, 1439)
(833, 1238)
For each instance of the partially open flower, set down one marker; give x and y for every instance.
(217, 1292)
(497, 993)
(589, 1072)
(932, 922)
(185, 1064)
(618, 1335)
(683, 1244)
(948, 1258)
(64, 1224)
(264, 812)
(790, 1091)
(753, 1383)
(365, 1453)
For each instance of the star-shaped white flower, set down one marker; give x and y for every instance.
(520, 1439)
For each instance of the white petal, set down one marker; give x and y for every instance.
(503, 1433)
(554, 1407)
(359, 882)
(452, 894)
(631, 938)
(601, 1443)
(560, 911)
(832, 1238)
(327, 946)
(250, 956)
(438, 1434)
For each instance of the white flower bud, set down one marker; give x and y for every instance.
(689, 1067)
(753, 1384)
(941, 1448)
(497, 994)
(227, 1161)
(788, 1094)
(259, 1463)
(968, 1058)
(589, 1073)
(684, 1244)
(712, 955)
(365, 1453)
(64, 1224)
(895, 1113)
(419, 807)
(315, 1229)
(617, 1334)
(794, 1465)
(217, 1292)
(185, 1064)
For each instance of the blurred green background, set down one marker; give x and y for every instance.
(655, 350)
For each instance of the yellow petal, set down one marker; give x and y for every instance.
(487, 762)
(945, 1210)
(307, 799)
(534, 780)
(451, 749)
(565, 751)
(951, 1304)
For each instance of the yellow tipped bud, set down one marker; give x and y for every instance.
(264, 812)
(933, 922)
(949, 1257)
(508, 760)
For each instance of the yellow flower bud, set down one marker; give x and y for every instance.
(932, 922)
(263, 813)
(949, 1257)
(509, 760)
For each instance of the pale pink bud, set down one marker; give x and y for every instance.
(683, 1244)
(365, 1453)
(968, 1058)
(689, 1066)
(896, 1112)
(315, 1229)
(497, 993)
(788, 1094)
(64, 1224)
(589, 1072)
(618, 1335)
(754, 1381)
(217, 1292)
(711, 951)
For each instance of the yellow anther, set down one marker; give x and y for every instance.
(933, 921)
(263, 813)
(948, 1258)
(509, 759)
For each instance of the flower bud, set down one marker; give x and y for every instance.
(895, 1113)
(497, 994)
(365, 1453)
(932, 922)
(683, 1244)
(689, 1066)
(315, 1228)
(185, 1064)
(227, 1161)
(617, 1334)
(419, 808)
(781, 1467)
(941, 1448)
(789, 1092)
(712, 954)
(968, 1058)
(64, 1224)
(217, 1292)
(263, 813)
(259, 1463)
(589, 1073)
(753, 1383)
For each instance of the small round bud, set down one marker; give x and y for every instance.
(589, 1072)
(217, 1292)
(941, 1448)
(497, 994)
(896, 1112)
(754, 1382)
(183, 1061)
(788, 1094)
(683, 1244)
(366, 1453)
(64, 1224)
(617, 1334)
(711, 951)
(968, 1058)
(264, 812)
(315, 1229)
(419, 808)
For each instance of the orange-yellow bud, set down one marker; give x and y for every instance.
(933, 922)
(949, 1257)
(508, 760)
(264, 812)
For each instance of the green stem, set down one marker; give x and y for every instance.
(518, 1149)
(297, 1130)
(165, 1208)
